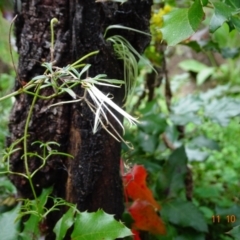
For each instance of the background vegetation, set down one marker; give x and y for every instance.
(188, 136)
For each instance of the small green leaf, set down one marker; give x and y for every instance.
(196, 154)
(98, 225)
(64, 223)
(185, 110)
(176, 27)
(9, 228)
(204, 74)
(85, 69)
(235, 232)
(203, 142)
(230, 52)
(148, 142)
(171, 179)
(222, 13)
(207, 212)
(236, 22)
(195, 15)
(70, 92)
(233, 3)
(31, 226)
(176, 169)
(222, 110)
(185, 214)
(180, 24)
(192, 65)
(208, 192)
(39, 77)
(153, 124)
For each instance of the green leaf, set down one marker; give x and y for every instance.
(64, 223)
(148, 142)
(127, 219)
(216, 92)
(9, 228)
(232, 210)
(70, 92)
(204, 2)
(176, 169)
(153, 124)
(204, 74)
(171, 179)
(192, 65)
(230, 52)
(184, 119)
(185, 110)
(202, 141)
(180, 24)
(193, 235)
(184, 214)
(98, 225)
(31, 226)
(233, 3)
(39, 77)
(222, 13)
(236, 22)
(207, 212)
(235, 232)
(196, 154)
(195, 15)
(222, 110)
(208, 192)
(194, 45)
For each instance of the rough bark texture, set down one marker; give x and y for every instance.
(92, 178)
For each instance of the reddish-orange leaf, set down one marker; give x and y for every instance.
(135, 234)
(145, 218)
(135, 185)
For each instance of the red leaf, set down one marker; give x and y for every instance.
(145, 218)
(135, 185)
(135, 234)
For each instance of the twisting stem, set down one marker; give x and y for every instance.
(25, 148)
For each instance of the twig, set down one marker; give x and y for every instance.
(10, 47)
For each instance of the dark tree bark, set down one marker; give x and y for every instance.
(91, 179)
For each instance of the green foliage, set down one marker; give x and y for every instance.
(9, 226)
(98, 225)
(64, 223)
(182, 23)
(6, 82)
(175, 31)
(36, 210)
(198, 130)
(170, 181)
(202, 70)
(235, 232)
(225, 12)
(184, 214)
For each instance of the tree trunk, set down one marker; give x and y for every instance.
(91, 179)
